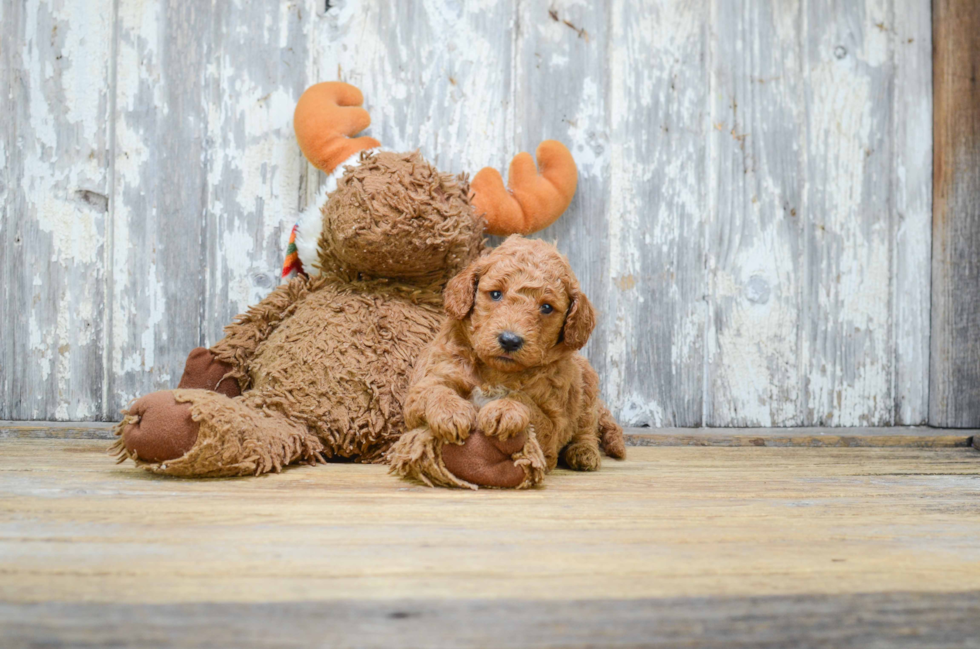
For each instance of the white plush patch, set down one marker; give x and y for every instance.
(309, 225)
(481, 396)
(310, 221)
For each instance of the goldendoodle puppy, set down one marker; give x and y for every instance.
(503, 384)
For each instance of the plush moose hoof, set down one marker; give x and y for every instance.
(163, 429)
(485, 461)
(203, 371)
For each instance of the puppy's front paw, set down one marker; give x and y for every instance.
(504, 418)
(582, 457)
(451, 419)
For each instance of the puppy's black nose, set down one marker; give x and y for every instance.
(510, 342)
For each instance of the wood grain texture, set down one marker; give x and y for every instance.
(157, 211)
(207, 176)
(255, 171)
(819, 241)
(848, 232)
(56, 80)
(652, 297)
(752, 219)
(911, 195)
(905, 436)
(57, 430)
(938, 621)
(667, 523)
(436, 76)
(955, 361)
(754, 223)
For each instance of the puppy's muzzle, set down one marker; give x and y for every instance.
(509, 341)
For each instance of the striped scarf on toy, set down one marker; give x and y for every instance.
(292, 266)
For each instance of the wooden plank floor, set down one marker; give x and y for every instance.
(917, 436)
(693, 546)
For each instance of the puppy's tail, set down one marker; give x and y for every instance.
(611, 434)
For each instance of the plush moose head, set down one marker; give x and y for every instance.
(393, 215)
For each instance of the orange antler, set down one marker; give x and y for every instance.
(534, 201)
(326, 115)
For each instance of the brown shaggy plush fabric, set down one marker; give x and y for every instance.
(505, 366)
(323, 363)
(233, 437)
(395, 216)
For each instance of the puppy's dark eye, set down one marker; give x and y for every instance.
(547, 308)
(496, 295)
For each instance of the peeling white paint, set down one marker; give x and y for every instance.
(434, 87)
(912, 209)
(850, 370)
(55, 184)
(745, 172)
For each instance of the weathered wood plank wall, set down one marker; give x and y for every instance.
(753, 215)
(56, 173)
(955, 357)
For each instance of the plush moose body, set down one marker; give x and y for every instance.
(320, 368)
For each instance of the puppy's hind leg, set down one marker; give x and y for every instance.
(582, 452)
(611, 434)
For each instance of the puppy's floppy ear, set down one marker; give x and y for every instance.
(460, 292)
(579, 321)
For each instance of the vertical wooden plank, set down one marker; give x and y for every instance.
(848, 350)
(436, 76)
(159, 196)
(54, 152)
(954, 377)
(653, 300)
(257, 68)
(865, 299)
(758, 171)
(912, 196)
(8, 136)
(561, 93)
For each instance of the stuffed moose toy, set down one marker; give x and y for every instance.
(320, 368)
